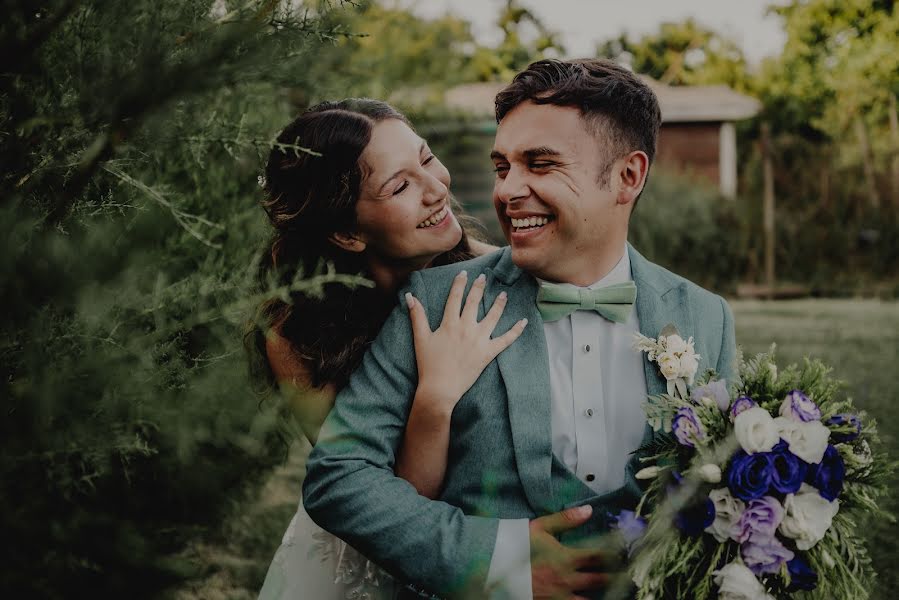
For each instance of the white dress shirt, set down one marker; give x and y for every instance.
(598, 387)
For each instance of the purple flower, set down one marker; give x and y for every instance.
(759, 520)
(739, 405)
(844, 427)
(631, 526)
(799, 407)
(693, 519)
(801, 576)
(788, 470)
(716, 390)
(749, 475)
(687, 427)
(765, 555)
(828, 475)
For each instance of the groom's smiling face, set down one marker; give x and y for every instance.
(562, 214)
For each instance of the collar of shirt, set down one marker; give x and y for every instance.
(620, 273)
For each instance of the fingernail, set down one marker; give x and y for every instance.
(584, 511)
(481, 278)
(502, 296)
(523, 322)
(409, 300)
(462, 274)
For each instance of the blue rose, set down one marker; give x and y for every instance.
(693, 519)
(787, 470)
(749, 475)
(844, 427)
(801, 576)
(828, 475)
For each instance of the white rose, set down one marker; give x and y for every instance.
(669, 365)
(675, 344)
(728, 511)
(710, 473)
(807, 516)
(808, 441)
(688, 366)
(756, 431)
(736, 582)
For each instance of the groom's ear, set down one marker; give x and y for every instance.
(632, 176)
(347, 241)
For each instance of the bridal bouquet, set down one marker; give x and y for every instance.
(755, 487)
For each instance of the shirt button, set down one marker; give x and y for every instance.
(589, 412)
(586, 347)
(590, 477)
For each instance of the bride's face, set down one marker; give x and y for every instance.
(403, 214)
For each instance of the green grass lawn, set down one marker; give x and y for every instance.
(860, 340)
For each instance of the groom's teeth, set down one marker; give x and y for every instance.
(530, 222)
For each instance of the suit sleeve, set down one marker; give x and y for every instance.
(351, 490)
(727, 355)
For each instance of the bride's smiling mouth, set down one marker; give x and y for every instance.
(435, 219)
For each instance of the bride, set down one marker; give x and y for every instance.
(372, 200)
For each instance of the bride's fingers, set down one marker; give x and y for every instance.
(505, 340)
(470, 312)
(454, 301)
(496, 311)
(420, 326)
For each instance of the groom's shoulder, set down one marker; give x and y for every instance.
(434, 283)
(443, 275)
(698, 298)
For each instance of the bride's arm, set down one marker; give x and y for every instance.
(449, 360)
(310, 405)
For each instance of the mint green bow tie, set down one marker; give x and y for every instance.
(613, 302)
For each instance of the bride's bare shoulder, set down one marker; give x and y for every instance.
(479, 248)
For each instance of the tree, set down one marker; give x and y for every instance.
(525, 39)
(131, 134)
(681, 54)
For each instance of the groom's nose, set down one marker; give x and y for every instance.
(512, 187)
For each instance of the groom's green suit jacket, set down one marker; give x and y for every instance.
(500, 451)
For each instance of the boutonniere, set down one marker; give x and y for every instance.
(676, 358)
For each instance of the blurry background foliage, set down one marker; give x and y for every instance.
(131, 137)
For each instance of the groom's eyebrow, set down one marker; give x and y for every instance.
(529, 154)
(532, 153)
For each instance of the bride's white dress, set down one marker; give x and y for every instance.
(312, 563)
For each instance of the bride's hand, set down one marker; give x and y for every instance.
(451, 358)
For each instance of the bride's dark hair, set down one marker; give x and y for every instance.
(309, 197)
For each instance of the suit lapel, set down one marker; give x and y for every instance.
(661, 301)
(524, 367)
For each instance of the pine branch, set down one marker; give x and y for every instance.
(185, 219)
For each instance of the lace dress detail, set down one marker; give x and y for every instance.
(312, 563)
(361, 578)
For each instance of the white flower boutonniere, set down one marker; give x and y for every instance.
(675, 356)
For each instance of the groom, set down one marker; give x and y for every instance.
(550, 424)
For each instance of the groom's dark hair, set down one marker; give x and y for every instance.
(620, 109)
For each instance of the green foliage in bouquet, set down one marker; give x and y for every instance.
(691, 546)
